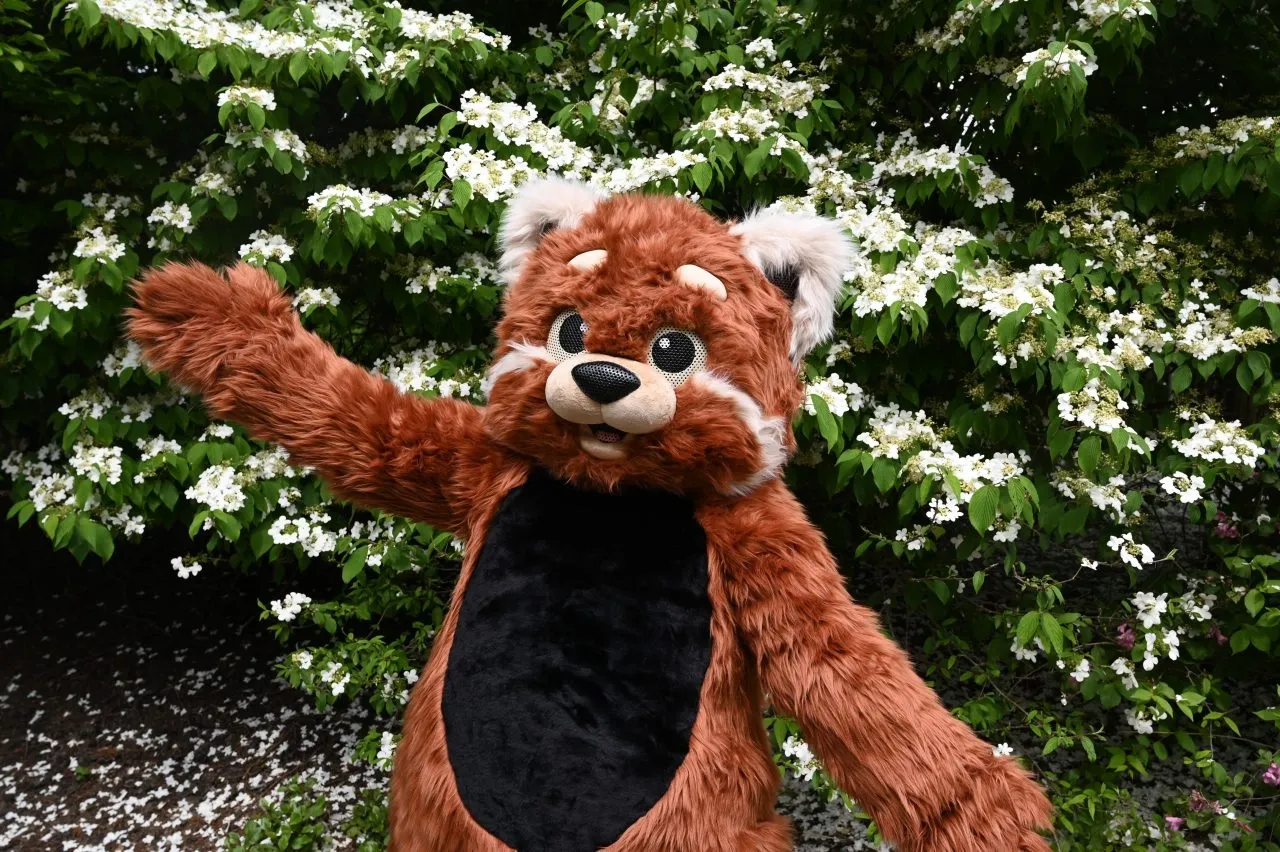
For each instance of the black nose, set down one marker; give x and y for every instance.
(605, 381)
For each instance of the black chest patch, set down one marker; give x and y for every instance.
(581, 647)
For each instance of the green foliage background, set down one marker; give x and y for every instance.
(1060, 331)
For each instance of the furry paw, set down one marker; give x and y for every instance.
(189, 319)
(1005, 811)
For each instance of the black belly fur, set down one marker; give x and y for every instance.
(580, 651)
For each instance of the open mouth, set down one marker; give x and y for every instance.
(607, 434)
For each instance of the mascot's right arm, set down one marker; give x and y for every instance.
(238, 342)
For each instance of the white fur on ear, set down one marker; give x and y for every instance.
(806, 256)
(537, 207)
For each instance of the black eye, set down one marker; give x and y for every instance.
(673, 352)
(572, 332)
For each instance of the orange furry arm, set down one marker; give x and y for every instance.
(929, 782)
(238, 342)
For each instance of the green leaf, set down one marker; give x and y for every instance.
(983, 506)
(885, 474)
(1181, 379)
(702, 176)
(595, 11)
(1027, 627)
(257, 116)
(979, 578)
(826, 421)
(1051, 632)
(1090, 452)
(298, 66)
(206, 63)
(1254, 601)
(354, 564)
(96, 536)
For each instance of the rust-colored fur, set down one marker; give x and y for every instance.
(783, 624)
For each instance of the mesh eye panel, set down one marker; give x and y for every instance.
(567, 336)
(677, 353)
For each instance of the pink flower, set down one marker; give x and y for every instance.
(1272, 775)
(1125, 637)
(1225, 528)
(1175, 823)
(1215, 633)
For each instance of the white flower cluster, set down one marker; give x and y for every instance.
(99, 246)
(519, 125)
(840, 396)
(386, 750)
(171, 215)
(97, 464)
(642, 171)
(245, 95)
(1057, 63)
(1095, 406)
(269, 140)
(107, 206)
(761, 51)
(892, 431)
(997, 291)
(186, 566)
(1132, 553)
(746, 124)
(1215, 441)
(290, 607)
(1108, 496)
(807, 765)
(1225, 138)
(1143, 719)
(415, 371)
(125, 520)
(333, 674)
(779, 93)
(611, 109)
(450, 28)
(340, 197)
(1094, 13)
(126, 356)
(473, 270)
(1185, 487)
(908, 283)
(971, 472)
(59, 289)
(309, 298)
(214, 181)
(1206, 327)
(1122, 341)
(1268, 292)
(219, 488)
(339, 28)
(264, 246)
(154, 447)
(308, 532)
(489, 176)
(903, 157)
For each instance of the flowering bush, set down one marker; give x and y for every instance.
(1044, 438)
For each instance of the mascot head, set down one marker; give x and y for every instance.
(645, 342)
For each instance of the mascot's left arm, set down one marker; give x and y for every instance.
(929, 782)
(238, 342)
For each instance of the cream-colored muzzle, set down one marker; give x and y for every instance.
(646, 409)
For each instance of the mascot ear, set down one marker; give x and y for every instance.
(806, 257)
(539, 207)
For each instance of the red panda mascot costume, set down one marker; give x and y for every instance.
(638, 579)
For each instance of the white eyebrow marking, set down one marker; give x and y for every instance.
(696, 276)
(589, 259)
